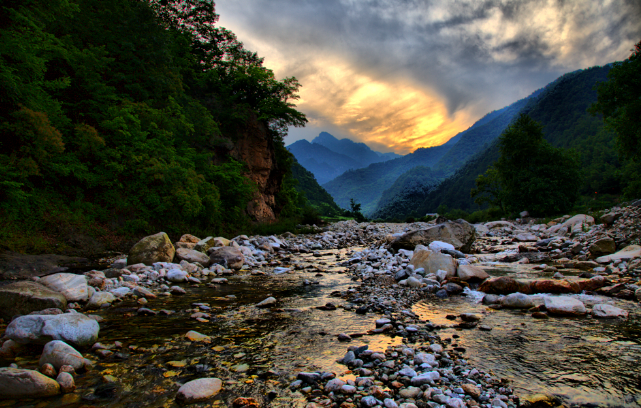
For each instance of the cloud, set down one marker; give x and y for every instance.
(412, 73)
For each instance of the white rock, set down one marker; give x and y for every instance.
(564, 305)
(176, 275)
(270, 301)
(73, 287)
(438, 246)
(74, 328)
(608, 311)
(100, 298)
(199, 390)
(58, 353)
(120, 292)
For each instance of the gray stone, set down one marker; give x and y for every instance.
(19, 383)
(199, 390)
(609, 218)
(470, 272)
(564, 305)
(459, 233)
(73, 287)
(74, 328)
(517, 301)
(425, 378)
(58, 353)
(192, 256)
(177, 275)
(627, 253)
(67, 384)
(22, 298)
(152, 249)
(526, 237)
(100, 298)
(608, 311)
(229, 257)
(603, 246)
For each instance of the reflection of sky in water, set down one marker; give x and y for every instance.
(581, 360)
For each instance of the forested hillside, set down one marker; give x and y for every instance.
(121, 117)
(561, 109)
(367, 185)
(316, 195)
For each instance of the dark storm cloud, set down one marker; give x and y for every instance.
(473, 56)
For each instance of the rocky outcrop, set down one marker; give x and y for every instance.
(459, 233)
(22, 298)
(152, 249)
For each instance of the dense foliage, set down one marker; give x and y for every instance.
(313, 192)
(530, 174)
(112, 114)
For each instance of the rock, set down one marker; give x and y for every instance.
(152, 249)
(67, 384)
(269, 302)
(526, 237)
(410, 392)
(192, 256)
(627, 253)
(517, 301)
(491, 299)
(564, 306)
(309, 378)
(199, 390)
(470, 317)
(74, 328)
(334, 385)
(144, 292)
(503, 286)
(438, 246)
(197, 337)
(425, 378)
(58, 353)
(608, 311)
(603, 246)
(100, 298)
(578, 221)
(609, 218)
(499, 224)
(481, 230)
(412, 282)
(19, 383)
(120, 292)
(73, 287)
(592, 284)
(229, 257)
(471, 390)
(637, 294)
(461, 234)
(452, 288)
(554, 286)
(433, 261)
(48, 369)
(188, 238)
(21, 298)
(177, 275)
(470, 272)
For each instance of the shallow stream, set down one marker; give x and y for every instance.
(582, 361)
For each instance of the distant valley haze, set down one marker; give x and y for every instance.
(400, 75)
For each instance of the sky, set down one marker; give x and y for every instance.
(404, 74)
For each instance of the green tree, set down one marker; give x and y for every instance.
(619, 101)
(356, 210)
(533, 175)
(488, 189)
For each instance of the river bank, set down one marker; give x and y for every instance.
(345, 288)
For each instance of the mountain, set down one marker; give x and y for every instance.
(324, 163)
(366, 185)
(561, 108)
(315, 194)
(369, 185)
(327, 157)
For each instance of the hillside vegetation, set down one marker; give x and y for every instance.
(120, 117)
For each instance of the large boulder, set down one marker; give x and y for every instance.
(608, 311)
(20, 298)
(58, 353)
(459, 233)
(603, 246)
(627, 253)
(192, 256)
(199, 390)
(152, 249)
(564, 306)
(74, 328)
(433, 261)
(73, 287)
(16, 383)
(471, 272)
(228, 256)
(503, 286)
